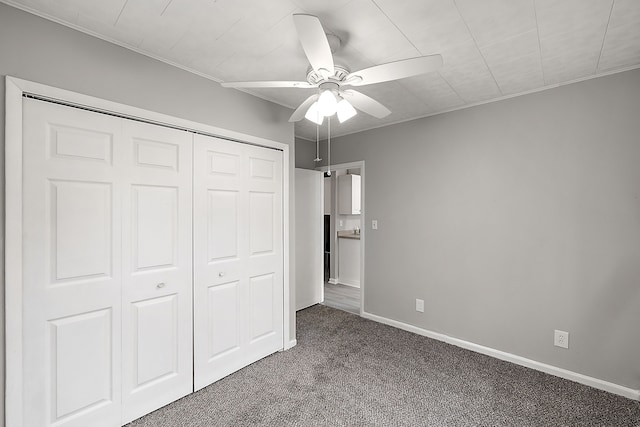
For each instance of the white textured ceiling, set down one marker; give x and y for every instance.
(491, 48)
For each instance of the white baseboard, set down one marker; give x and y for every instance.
(333, 281)
(518, 360)
(354, 284)
(291, 344)
(307, 305)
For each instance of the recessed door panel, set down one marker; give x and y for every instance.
(261, 207)
(81, 227)
(75, 143)
(155, 226)
(222, 224)
(156, 352)
(223, 318)
(156, 154)
(223, 163)
(82, 365)
(262, 168)
(262, 294)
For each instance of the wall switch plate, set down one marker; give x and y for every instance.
(561, 339)
(341, 223)
(374, 224)
(420, 305)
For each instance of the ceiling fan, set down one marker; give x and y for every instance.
(332, 79)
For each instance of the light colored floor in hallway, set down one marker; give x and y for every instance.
(342, 297)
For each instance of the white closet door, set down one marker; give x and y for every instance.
(72, 270)
(238, 259)
(157, 343)
(264, 331)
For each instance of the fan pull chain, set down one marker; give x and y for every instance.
(317, 159)
(329, 146)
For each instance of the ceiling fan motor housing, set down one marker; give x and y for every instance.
(340, 74)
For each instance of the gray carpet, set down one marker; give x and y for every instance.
(348, 371)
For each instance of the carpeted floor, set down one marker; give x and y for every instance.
(348, 371)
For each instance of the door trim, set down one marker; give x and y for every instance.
(15, 90)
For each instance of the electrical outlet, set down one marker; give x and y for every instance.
(561, 339)
(420, 305)
(374, 224)
(341, 223)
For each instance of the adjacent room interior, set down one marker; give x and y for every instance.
(351, 212)
(342, 235)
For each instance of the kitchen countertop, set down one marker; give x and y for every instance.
(348, 234)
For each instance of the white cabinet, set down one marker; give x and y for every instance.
(349, 194)
(349, 262)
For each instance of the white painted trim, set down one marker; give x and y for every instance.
(508, 357)
(15, 88)
(122, 109)
(308, 304)
(290, 345)
(354, 284)
(333, 281)
(320, 231)
(13, 254)
(342, 166)
(287, 311)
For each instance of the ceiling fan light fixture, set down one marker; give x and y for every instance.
(345, 110)
(327, 103)
(313, 114)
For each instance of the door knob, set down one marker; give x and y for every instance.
(221, 274)
(160, 285)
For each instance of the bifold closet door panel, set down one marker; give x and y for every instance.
(157, 268)
(107, 266)
(238, 264)
(72, 188)
(265, 251)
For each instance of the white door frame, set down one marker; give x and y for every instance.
(15, 89)
(363, 225)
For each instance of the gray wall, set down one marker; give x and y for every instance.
(34, 49)
(306, 153)
(511, 220)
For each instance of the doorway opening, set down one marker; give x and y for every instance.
(343, 244)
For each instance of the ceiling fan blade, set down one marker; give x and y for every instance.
(314, 43)
(394, 70)
(302, 109)
(270, 84)
(366, 104)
